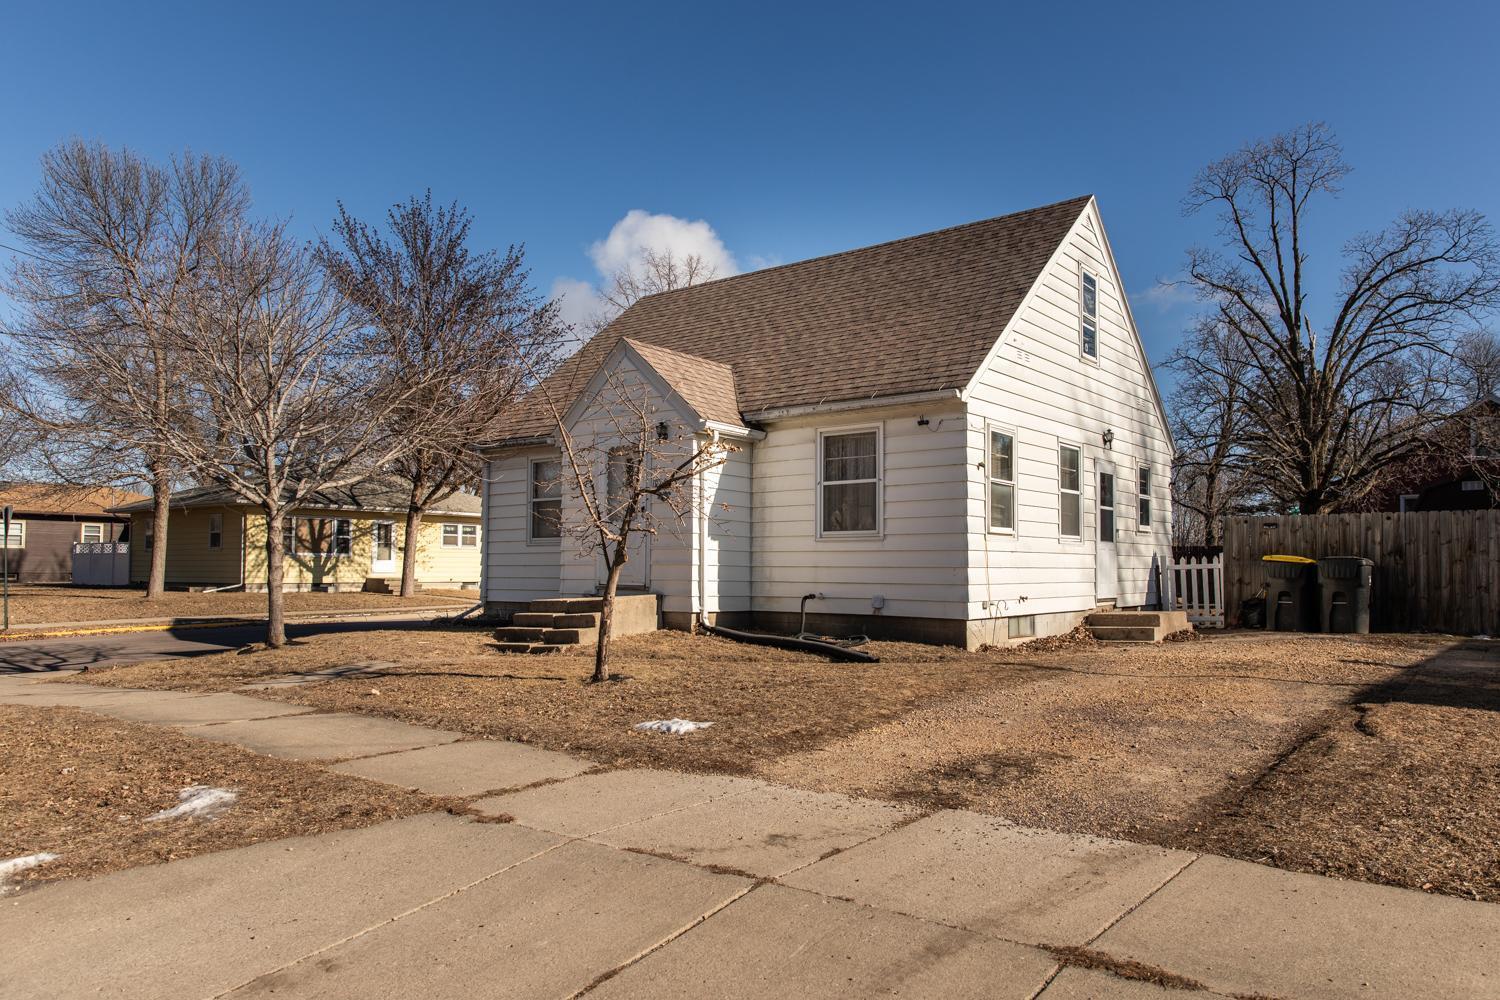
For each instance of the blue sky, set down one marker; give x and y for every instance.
(790, 130)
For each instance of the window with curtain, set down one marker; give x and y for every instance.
(849, 473)
(457, 536)
(1001, 468)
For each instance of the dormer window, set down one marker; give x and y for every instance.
(1088, 292)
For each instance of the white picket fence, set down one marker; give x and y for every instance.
(1198, 589)
(101, 564)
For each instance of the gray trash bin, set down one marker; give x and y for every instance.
(1291, 593)
(1345, 585)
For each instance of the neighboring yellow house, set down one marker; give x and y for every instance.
(347, 539)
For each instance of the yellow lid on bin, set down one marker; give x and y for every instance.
(1291, 559)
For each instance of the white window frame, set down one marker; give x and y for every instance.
(17, 531)
(148, 536)
(990, 479)
(83, 533)
(532, 499)
(818, 483)
(290, 544)
(465, 536)
(1062, 492)
(216, 527)
(1143, 499)
(1085, 272)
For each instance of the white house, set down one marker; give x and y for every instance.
(954, 437)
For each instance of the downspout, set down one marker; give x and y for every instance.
(713, 438)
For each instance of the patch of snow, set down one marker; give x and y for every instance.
(677, 727)
(198, 802)
(14, 865)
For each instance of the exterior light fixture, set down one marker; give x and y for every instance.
(662, 431)
(1109, 438)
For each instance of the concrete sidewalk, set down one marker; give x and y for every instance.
(622, 883)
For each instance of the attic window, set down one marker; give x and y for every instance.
(1089, 313)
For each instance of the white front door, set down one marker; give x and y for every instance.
(382, 548)
(621, 472)
(1106, 558)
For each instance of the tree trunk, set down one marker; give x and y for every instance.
(161, 509)
(275, 580)
(409, 552)
(606, 616)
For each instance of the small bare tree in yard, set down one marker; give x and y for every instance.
(282, 404)
(1327, 407)
(451, 332)
(111, 249)
(632, 473)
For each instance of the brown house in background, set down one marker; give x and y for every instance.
(49, 518)
(1457, 468)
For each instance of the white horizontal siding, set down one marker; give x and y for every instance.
(1040, 387)
(918, 563)
(514, 569)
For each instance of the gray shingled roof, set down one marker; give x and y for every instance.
(914, 315)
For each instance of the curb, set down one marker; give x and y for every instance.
(165, 625)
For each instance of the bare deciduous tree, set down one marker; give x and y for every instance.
(1326, 408)
(282, 404)
(452, 333)
(655, 270)
(111, 249)
(632, 472)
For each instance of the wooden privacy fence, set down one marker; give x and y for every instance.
(1435, 571)
(1198, 588)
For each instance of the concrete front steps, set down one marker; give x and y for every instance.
(552, 625)
(1136, 626)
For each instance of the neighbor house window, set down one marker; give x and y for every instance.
(546, 499)
(91, 533)
(456, 536)
(1070, 493)
(150, 539)
(216, 531)
(1143, 499)
(1001, 468)
(1409, 501)
(16, 538)
(849, 482)
(318, 536)
(1089, 314)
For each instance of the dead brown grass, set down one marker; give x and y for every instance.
(38, 604)
(1238, 744)
(80, 785)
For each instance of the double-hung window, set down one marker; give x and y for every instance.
(216, 531)
(90, 533)
(849, 482)
(457, 536)
(1070, 491)
(545, 500)
(1088, 333)
(1143, 500)
(1001, 469)
(318, 536)
(16, 538)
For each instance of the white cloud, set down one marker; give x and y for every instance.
(624, 248)
(640, 231)
(1164, 295)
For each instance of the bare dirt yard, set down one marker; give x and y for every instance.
(81, 786)
(32, 604)
(1351, 756)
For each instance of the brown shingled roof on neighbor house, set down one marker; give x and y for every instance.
(56, 498)
(913, 315)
